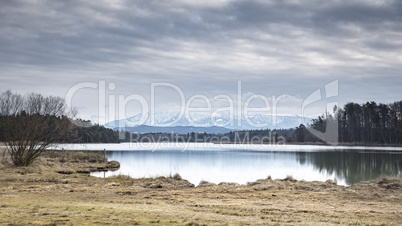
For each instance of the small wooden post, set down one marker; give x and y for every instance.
(104, 154)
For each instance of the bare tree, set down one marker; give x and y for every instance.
(29, 124)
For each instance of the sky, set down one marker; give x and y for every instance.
(278, 50)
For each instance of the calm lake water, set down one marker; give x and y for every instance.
(346, 166)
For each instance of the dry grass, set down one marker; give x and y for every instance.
(40, 195)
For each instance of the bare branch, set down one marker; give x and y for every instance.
(31, 123)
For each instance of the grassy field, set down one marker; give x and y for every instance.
(57, 191)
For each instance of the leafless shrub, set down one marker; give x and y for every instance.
(29, 124)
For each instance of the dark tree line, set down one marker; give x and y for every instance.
(86, 132)
(368, 123)
(13, 127)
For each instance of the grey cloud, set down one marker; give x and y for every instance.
(275, 47)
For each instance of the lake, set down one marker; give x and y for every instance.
(246, 163)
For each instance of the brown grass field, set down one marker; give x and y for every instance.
(59, 191)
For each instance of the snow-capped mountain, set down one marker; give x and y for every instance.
(177, 129)
(217, 119)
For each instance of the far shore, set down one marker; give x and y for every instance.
(134, 146)
(191, 146)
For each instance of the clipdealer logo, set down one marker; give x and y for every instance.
(112, 107)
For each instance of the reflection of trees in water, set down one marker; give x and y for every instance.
(301, 156)
(353, 166)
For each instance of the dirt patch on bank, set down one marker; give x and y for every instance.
(43, 194)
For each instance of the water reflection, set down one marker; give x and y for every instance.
(355, 166)
(346, 167)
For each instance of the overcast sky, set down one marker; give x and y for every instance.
(291, 47)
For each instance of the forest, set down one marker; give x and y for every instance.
(76, 132)
(87, 132)
(368, 123)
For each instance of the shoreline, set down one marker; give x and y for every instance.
(213, 147)
(58, 192)
(201, 146)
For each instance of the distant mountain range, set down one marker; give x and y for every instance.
(176, 129)
(218, 123)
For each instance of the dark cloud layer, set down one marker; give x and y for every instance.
(274, 47)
